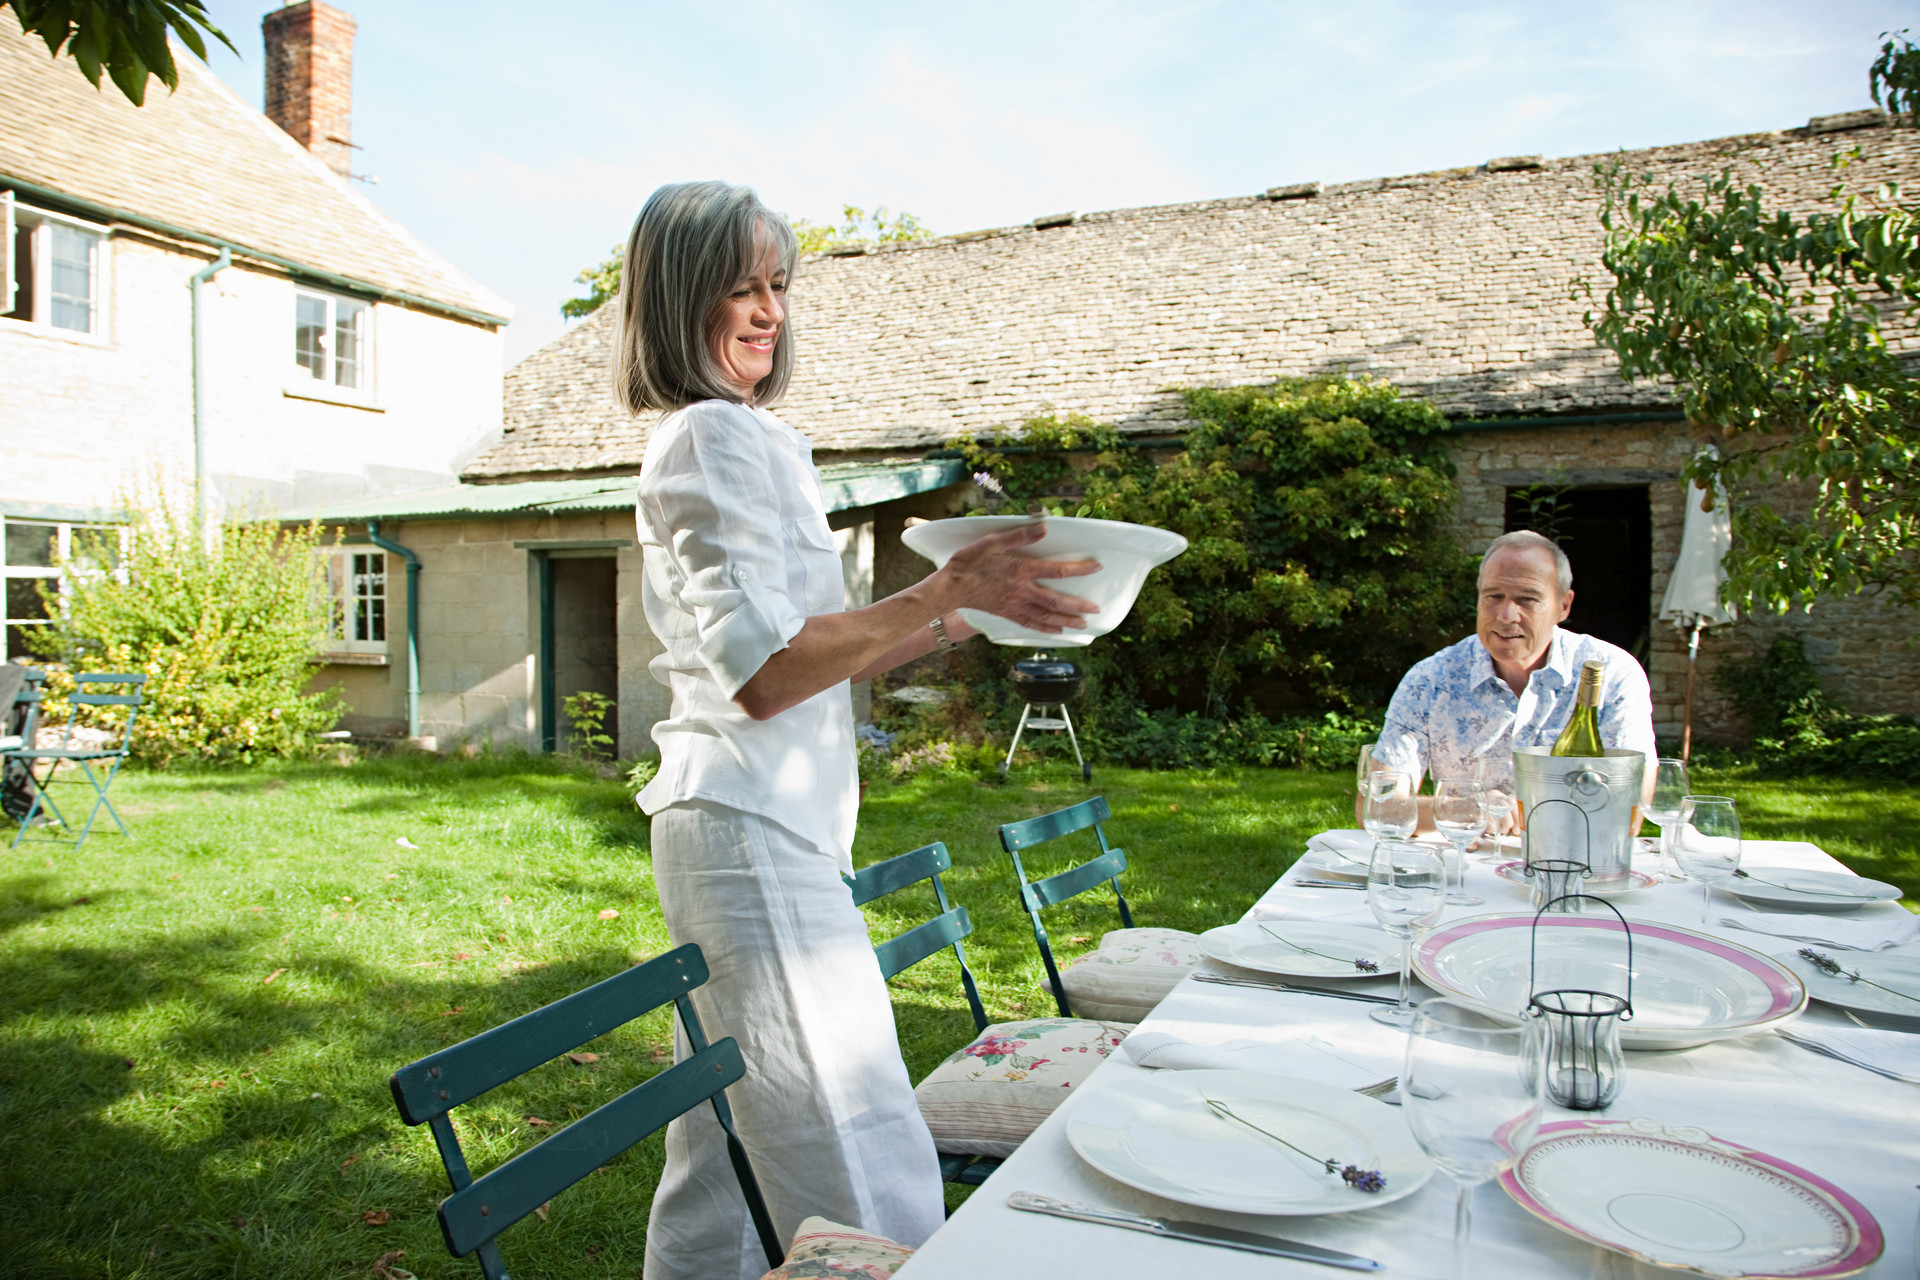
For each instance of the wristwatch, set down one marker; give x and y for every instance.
(939, 628)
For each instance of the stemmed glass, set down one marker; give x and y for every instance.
(1669, 789)
(1707, 844)
(1406, 890)
(1390, 810)
(1493, 783)
(1459, 816)
(1472, 1091)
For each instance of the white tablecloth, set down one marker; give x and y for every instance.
(1860, 1130)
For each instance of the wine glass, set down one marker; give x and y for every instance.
(1406, 890)
(1707, 844)
(1472, 1089)
(1366, 765)
(1669, 788)
(1493, 783)
(1459, 816)
(1389, 809)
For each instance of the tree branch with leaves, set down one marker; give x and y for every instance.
(1772, 327)
(127, 39)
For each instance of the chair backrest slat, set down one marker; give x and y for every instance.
(895, 873)
(1041, 894)
(444, 1080)
(489, 1205)
(104, 699)
(1015, 836)
(921, 941)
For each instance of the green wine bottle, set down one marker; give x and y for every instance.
(1581, 737)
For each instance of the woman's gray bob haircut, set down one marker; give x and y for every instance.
(691, 245)
(1527, 538)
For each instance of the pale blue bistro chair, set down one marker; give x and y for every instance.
(90, 690)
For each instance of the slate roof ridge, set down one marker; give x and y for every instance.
(280, 138)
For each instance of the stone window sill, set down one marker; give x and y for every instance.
(342, 659)
(320, 393)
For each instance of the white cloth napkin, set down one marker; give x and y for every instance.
(1357, 843)
(1309, 1059)
(1875, 933)
(1895, 1054)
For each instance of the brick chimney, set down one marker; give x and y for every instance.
(310, 78)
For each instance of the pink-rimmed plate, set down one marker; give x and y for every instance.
(1688, 988)
(1681, 1198)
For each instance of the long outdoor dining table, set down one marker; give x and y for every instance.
(1857, 1129)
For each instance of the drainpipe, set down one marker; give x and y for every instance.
(201, 277)
(413, 622)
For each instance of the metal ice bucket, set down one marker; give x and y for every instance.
(1605, 788)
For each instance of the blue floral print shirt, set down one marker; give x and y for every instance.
(1452, 708)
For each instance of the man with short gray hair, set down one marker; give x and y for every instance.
(1512, 683)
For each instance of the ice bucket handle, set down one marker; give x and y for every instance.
(1587, 783)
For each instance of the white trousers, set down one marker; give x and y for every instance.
(826, 1111)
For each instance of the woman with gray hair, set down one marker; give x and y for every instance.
(754, 804)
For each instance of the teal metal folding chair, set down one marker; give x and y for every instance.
(1037, 895)
(480, 1209)
(896, 955)
(19, 723)
(110, 757)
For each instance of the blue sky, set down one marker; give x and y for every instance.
(519, 140)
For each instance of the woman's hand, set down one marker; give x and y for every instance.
(992, 575)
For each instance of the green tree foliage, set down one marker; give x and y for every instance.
(1770, 323)
(225, 629)
(125, 38)
(1799, 730)
(857, 227)
(1318, 568)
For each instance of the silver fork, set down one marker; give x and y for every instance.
(1380, 1090)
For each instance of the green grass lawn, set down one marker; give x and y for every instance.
(196, 1026)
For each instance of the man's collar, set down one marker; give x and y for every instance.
(1483, 672)
(1560, 657)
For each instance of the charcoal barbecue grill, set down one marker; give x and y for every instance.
(1046, 682)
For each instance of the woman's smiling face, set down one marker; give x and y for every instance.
(746, 323)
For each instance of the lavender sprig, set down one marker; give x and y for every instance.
(1354, 1176)
(1831, 967)
(1361, 963)
(986, 481)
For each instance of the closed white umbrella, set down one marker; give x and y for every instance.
(1692, 602)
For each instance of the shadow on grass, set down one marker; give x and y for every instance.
(267, 1134)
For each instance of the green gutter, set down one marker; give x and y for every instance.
(413, 622)
(1565, 420)
(345, 284)
(1125, 442)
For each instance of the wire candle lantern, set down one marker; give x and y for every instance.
(1556, 879)
(1582, 1042)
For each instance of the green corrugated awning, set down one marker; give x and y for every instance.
(848, 485)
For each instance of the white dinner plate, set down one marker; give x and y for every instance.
(1516, 873)
(1303, 948)
(1155, 1133)
(1682, 1198)
(1897, 970)
(1327, 862)
(1809, 890)
(1688, 988)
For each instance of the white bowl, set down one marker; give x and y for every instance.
(1126, 552)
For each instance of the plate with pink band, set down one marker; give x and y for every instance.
(1688, 988)
(1678, 1197)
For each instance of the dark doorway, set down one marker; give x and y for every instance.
(1608, 535)
(580, 638)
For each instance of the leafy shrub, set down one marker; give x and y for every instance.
(586, 714)
(226, 630)
(1798, 730)
(1318, 568)
(1168, 739)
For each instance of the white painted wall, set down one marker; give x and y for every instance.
(79, 419)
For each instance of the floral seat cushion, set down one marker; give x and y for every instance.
(986, 1099)
(1130, 972)
(823, 1249)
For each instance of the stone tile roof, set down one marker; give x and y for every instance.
(1455, 285)
(203, 160)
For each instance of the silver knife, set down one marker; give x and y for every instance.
(1328, 884)
(1197, 1232)
(1227, 981)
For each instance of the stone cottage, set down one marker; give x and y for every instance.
(1457, 286)
(195, 290)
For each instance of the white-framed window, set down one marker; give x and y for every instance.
(54, 274)
(43, 553)
(332, 341)
(357, 592)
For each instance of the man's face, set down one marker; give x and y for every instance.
(1520, 603)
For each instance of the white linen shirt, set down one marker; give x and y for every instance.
(1452, 707)
(733, 532)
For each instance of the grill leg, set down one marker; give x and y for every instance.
(1086, 770)
(1020, 728)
